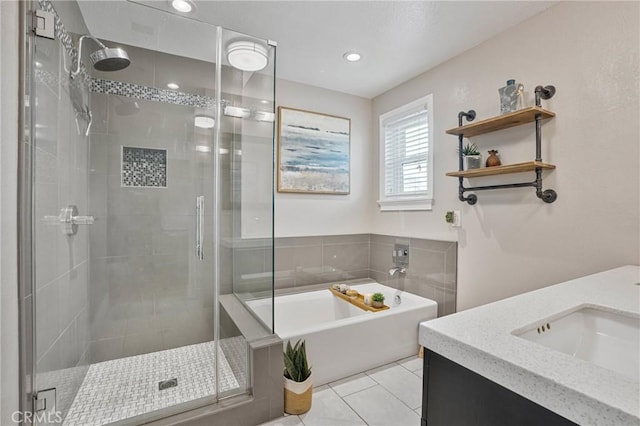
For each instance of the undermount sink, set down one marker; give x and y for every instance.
(596, 335)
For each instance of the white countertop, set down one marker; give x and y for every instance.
(481, 340)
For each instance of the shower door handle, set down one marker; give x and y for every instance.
(69, 220)
(199, 227)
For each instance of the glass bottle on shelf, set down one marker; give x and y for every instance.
(511, 97)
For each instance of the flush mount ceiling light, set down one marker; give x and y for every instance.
(264, 116)
(184, 6)
(173, 86)
(247, 55)
(238, 112)
(204, 121)
(352, 56)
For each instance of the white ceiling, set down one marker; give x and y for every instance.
(398, 40)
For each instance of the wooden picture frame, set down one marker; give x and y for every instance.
(314, 152)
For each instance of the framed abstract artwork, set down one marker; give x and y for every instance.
(313, 152)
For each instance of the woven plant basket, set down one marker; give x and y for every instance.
(297, 396)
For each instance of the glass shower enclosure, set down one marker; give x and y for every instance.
(147, 201)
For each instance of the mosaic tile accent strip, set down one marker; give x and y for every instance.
(116, 87)
(127, 387)
(144, 167)
(111, 87)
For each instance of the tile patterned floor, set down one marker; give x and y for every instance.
(388, 395)
(128, 387)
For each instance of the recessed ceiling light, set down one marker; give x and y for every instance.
(173, 86)
(352, 56)
(247, 55)
(204, 121)
(203, 148)
(184, 6)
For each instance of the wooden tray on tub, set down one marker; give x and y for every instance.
(358, 301)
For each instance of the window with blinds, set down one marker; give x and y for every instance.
(406, 157)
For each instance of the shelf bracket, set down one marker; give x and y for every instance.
(548, 195)
(471, 198)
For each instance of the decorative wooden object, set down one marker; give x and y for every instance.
(493, 160)
(358, 301)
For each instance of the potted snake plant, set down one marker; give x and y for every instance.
(297, 379)
(472, 157)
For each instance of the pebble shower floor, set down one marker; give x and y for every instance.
(123, 388)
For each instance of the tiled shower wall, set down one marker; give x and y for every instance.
(148, 292)
(301, 261)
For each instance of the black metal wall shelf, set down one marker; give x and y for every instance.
(523, 116)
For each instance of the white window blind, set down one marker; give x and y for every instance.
(405, 148)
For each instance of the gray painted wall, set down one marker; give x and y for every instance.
(510, 242)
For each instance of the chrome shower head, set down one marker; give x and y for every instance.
(110, 59)
(105, 59)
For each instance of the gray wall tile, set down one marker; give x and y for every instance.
(451, 267)
(106, 349)
(343, 239)
(380, 258)
(298, 241)
(434, 245)
(427, 265)
(346, 256)
(382, 239)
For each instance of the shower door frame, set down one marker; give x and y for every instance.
(26, 200)
(26, 215)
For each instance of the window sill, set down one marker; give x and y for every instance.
(406, 204)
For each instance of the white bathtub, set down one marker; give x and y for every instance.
(342, 339)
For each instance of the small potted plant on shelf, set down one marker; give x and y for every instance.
(297, 379)
(377, 300)
(472, 157)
